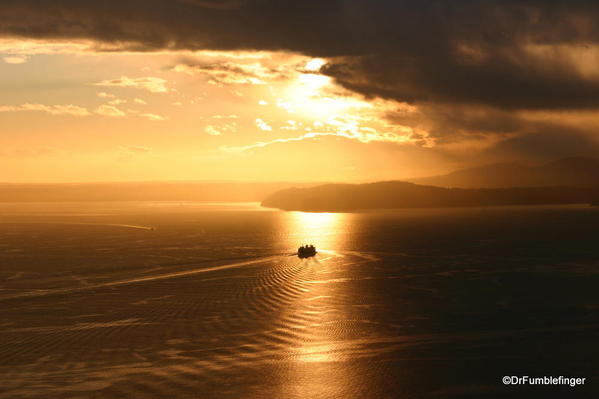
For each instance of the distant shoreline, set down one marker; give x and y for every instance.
(144, 191)
(402, 195)
(370, 210)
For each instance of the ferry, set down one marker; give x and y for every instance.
(306, 251)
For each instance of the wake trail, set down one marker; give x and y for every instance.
(127, 226)
(137, 280)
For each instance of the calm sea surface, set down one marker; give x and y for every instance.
(192, 300)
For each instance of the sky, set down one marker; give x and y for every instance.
(255, 90)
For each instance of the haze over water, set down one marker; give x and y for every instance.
(192, 300)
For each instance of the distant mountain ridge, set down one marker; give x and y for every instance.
(141, 191)
(397, 194)
(572, 172)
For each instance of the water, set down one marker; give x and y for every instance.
(190, 300)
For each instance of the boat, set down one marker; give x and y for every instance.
(306, 251)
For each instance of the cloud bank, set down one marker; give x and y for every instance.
(473, 68)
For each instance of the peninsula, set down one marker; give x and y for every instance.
(398, 194)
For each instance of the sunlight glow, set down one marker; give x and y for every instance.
(308, 96)
(316, 353)
(280, 100)
(315, 64)
(313, 82)
(319, 229)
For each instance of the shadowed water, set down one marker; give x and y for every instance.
(188, 300)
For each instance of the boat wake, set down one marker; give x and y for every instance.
(137, 280)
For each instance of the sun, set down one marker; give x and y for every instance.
(315, 64)
(315, 96)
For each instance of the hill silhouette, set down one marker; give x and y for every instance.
(397, 194)
(141, 191)
(574, 171)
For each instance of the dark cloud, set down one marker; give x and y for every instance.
(223, 4)
(447, 57)
(510, 79)
(227, 72)
(449, 123)
(543, 146)
(471, 52)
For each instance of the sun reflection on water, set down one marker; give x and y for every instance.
(324, 230)
(316, 353)
(318, 367)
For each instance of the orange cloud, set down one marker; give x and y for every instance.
(151, 84)
(15, 59)
(362, 137)
(69, 109)
(152, 117)
(109, 110)
(262, 125)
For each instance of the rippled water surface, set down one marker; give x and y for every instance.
(190, 300)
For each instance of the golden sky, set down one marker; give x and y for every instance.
(69, 113)
(292, 91)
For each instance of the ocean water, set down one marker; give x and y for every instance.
(195, 300)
